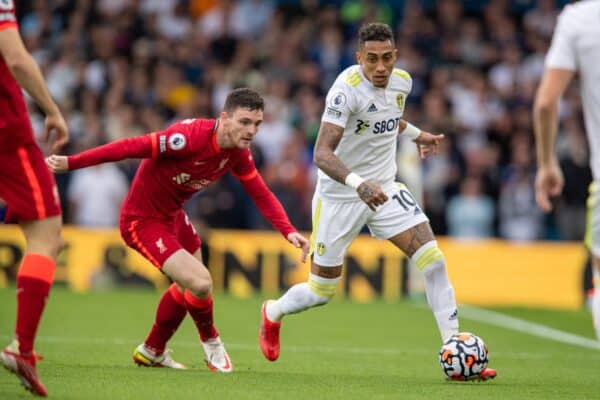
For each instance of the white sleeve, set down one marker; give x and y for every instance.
(562, 52)
(338, 105)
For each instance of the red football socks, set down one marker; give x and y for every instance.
(34, 281)
(201, 311)
(169, 315)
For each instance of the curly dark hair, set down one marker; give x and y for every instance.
(375, 31)
(244, 98)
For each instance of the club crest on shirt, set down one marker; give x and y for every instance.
(161, 246)
(400, 101)
(177, 141)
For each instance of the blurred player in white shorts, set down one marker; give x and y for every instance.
(575, 48)
(356, 156)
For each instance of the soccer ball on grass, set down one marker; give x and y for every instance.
(463, 356)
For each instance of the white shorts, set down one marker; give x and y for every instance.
(592, 230)
(337, 223)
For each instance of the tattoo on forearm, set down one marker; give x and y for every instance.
(333, 167)
(329, 138)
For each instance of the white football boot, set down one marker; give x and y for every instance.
(216, 357)
(145, 357)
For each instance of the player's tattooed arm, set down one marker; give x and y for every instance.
(327, 141)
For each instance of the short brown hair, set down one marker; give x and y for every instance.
(244, 98)
(376, 31)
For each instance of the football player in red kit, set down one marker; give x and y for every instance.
(178, 162)
(29, 190)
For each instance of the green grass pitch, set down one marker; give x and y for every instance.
(341, 351)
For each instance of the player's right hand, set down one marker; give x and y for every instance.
(57, 124)
(57, 164)
(428, 143)
(301, 242)
(372, 194)
(549, 182)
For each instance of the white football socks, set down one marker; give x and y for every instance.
(438, 289)
(317, 291)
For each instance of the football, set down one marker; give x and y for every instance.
(463, 356)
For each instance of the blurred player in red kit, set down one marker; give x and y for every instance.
(29, 190)
(178, 162)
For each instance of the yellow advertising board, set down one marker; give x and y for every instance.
(495, 272)
(490, 272)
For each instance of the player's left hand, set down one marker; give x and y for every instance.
(301, 242)
(549, 182)
(57, 164)
(428, 143)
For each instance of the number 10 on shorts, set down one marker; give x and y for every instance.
(405, 199)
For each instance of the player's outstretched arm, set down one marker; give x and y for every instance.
(136, 147)
(28, 75)
(273, 211)
(327, 141)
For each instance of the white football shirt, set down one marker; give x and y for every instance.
(370, 118)
(576, 47)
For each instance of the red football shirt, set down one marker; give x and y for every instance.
(15, 126)
(178, 162)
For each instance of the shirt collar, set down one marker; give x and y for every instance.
(213, 142)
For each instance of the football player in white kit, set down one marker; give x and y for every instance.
(355, 152)
(575, 48)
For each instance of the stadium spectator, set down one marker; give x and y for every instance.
(94, 205)
(520, 219)
(100, 61)
(470, 214)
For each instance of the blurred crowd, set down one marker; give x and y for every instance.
(121, 68)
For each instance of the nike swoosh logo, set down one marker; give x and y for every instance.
(228, 364)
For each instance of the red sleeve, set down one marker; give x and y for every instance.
(137, 147)
(175, 141)
(267, 203)
(7, 15)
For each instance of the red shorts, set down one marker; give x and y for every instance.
(158, 239)
(27, 186)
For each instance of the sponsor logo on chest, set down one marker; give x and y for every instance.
(185, 179)
(379, 127)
